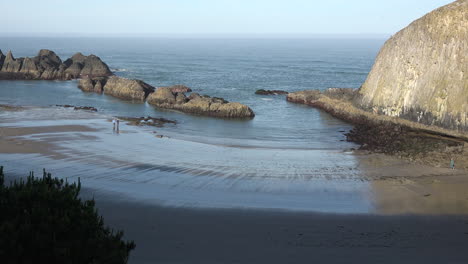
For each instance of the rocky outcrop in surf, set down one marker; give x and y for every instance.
(48, 66)
(123, 88)
(270, 92)
(420, 72)
(164, 97)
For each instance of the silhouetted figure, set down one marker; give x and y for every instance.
(113, 124)
(452, 164)
(118, 122)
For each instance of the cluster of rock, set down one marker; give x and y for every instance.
(48, 66)
(270, 92)
(169, 98)
(165, 97)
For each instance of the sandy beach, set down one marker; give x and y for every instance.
(188, 235)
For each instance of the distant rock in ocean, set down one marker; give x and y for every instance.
(48, 66)
(420, 73)
(270, 92)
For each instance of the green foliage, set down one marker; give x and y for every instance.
(43, 220)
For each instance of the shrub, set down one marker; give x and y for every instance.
(43, 220)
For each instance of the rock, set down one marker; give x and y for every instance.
(2, 59)
(181, 98)
(11, 64)
(180, 89)
(86, 85)
(86, 108)
(420, 72)
(30, 67)
(48, 66)
(200, 105)
(270, 92)
(127, 89)
(163, 97)
(93, 66)
(147, 121)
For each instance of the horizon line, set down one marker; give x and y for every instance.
(198, 35)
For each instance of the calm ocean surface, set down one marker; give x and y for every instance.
(230, 68)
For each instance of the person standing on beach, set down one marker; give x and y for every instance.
(452, 164)
(113, 124)
(118, 121)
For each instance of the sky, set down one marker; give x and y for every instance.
(211, 17)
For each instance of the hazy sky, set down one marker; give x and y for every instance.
(212, 16)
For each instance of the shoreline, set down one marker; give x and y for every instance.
(395, 136)
(173, 172)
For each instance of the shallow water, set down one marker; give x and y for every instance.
(288, 157)
(230, 68)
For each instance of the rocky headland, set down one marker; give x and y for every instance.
(414, 103)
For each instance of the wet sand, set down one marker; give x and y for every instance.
(183, 235)
(180, 208)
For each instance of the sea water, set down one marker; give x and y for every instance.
(288, 156)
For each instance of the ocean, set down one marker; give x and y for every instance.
(287, 149)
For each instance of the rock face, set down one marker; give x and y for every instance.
(127, 89)
(48, 66)
(165, 98)
(420, 73)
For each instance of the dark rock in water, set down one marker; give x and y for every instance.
(86, 108)
(196, 104)
(127, 89)
(147, 121)
(2, 59)
(270, 92)
(48, 66)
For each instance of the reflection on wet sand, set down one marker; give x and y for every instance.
(177, 172)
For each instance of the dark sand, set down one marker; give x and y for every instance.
(187, 235)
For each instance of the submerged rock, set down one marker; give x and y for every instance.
(127, 89)
(165, 98)
(420, 72)
(270, 92)
(147, 121)
(86, 108)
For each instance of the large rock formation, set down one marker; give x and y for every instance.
(127, 89)
(166, 98)
(420, 73)
(48, 66)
